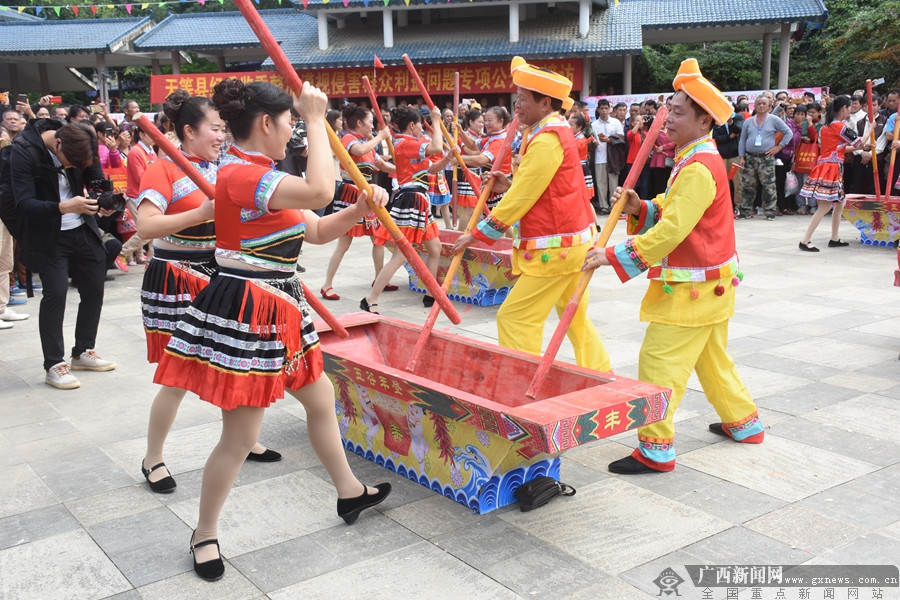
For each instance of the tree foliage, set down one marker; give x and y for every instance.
(859, 40)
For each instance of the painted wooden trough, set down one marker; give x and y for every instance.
(461, 424)
(878, 220)
(484, 277)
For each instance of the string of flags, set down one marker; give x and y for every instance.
(130, 6)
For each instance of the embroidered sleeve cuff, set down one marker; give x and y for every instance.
(266, 188)
(157, 199)
(647, 218)
(626, 260)
(490, 230)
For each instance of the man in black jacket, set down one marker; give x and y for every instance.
(59, 237)
(727, 138)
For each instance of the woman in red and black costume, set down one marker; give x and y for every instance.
(410, 208)
(248, 336)
(495, 120)
(361, 146)
(469, 138)
(174, 213)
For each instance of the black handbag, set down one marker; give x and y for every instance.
(539, 491)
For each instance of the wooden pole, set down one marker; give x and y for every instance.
(889, 186)
(454, 194)
(566, 319)
(209, 191)
(871, 108)
(470, 177)
(375, 109)
(293, 81)
(457, 258)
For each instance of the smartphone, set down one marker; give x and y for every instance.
(96, 109)
(55, 99)
(22, 98)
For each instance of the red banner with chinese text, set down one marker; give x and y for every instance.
(474, 78)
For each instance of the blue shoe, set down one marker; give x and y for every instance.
(13, 301)
(15, 290)
(37, 287)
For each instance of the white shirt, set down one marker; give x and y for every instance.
(612, 126)
(69, 220)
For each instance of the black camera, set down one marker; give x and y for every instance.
(298, 137)
(101, 190)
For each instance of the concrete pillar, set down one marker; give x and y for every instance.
(587, 75)
(584, 18)
(323, 30)
(341, 23)
(767, 61)
(45, 79)
(154, 66)
(176, 63)
(102, 78)
(13, 83)
(626, 73)
(784, 56)
(387, 20)
(402, 18)
(426, 17)
(513, 22)
(220, 59)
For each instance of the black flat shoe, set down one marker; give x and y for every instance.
(349, 508)
(718, 429)
(808, 247)
(428, 301)
(630, 466)
(166, 485)
(369, 308)
(211, 570)
(837, 244)
(268, 456)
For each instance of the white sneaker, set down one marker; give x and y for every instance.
(9, 314)
(59, 377)
(5, 325)
(91, 361)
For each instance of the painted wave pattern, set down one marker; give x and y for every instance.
(495, 490)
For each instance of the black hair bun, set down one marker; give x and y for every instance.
(173, 103)
(229, 98)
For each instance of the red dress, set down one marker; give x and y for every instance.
(349, 193)
(826, 181)
(248, 335)
(409, 207)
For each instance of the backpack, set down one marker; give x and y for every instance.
(9, 214)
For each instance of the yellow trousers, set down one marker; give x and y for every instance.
(520, 320)
(668, 356)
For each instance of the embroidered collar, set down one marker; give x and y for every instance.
(530, 133)
(684, 154)
(200, 162)
(251, 156)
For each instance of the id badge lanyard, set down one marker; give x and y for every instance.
(759, 128)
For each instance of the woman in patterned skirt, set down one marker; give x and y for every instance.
(175, 214)
(825, 183)
(495, 121)
(409, 207)
(248, 336)
(361, 145)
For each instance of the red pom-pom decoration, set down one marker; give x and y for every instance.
(720, 290)
(527, 256)
(695, 293)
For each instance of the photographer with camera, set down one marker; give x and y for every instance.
(59, 237)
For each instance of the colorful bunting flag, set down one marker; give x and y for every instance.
(94, 9)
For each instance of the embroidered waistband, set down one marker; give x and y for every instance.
(563, 240)
(670, 274)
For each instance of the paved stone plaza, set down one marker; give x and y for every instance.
(816, 338)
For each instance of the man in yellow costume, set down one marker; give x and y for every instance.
(550, 202)
(685, 240)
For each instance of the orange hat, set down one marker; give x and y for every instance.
(690, 81)
(568, 103)
(537, 80)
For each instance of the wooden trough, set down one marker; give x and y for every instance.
(878, 220)
(461, 424)
(484, 277)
